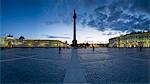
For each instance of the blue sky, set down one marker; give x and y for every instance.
(97, 20)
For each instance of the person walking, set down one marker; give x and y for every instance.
(93, 47)
(59, 49)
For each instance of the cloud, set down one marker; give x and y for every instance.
(66, 34)
(135, 5)
(63, 37)
(120, 15)
(52, 22)
(89, 37)
(110, 33)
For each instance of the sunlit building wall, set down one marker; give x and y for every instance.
(2, 42)
(140, 39)
(114, 42)
(39, 43)
(10, 41)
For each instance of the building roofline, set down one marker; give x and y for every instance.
(129, 34)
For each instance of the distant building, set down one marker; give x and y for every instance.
(2, 41)
(138, 39)
(10, 41)
(9, 37)
(40, 43)
(21, 38)
(87, 45)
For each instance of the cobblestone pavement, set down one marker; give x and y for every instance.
(46, 65)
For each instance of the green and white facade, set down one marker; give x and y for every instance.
(140, 39)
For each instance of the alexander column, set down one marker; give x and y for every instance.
(74, 41)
